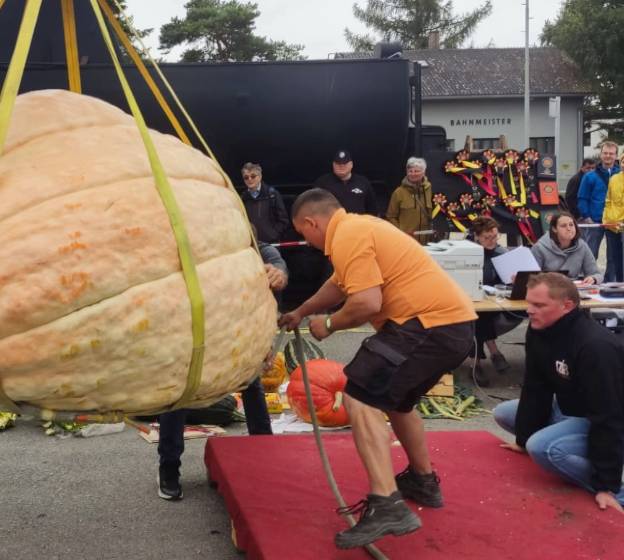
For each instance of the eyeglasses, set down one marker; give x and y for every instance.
(490, 237)
(250, 176)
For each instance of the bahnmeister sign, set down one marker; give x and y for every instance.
(480, 122)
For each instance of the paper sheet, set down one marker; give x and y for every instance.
(512, 262)
(613, 300)
(290, 424)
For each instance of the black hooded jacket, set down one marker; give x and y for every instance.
(582, 363)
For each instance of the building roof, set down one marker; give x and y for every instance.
(493, 72)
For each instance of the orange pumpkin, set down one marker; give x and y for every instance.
(327, 383)
(275, 376)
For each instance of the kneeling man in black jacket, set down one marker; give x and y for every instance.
(570, 416)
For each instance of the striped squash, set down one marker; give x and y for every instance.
(310, 350)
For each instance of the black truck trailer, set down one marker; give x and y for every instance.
(290, 117)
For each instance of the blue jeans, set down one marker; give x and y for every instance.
(560, 448)
(171, 441)
(593, 237)
(615, 257)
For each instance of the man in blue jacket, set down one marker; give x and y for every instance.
(591, 201)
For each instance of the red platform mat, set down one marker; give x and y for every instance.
(499, 505)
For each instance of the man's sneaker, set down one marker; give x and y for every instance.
(169, 484)
(379, 516)
(501, 365)
(424, 489)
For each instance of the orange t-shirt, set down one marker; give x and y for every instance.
(367, 252)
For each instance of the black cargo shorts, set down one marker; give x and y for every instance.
(400, 363)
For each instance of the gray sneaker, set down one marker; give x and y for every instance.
(424, 489)
(379, 516)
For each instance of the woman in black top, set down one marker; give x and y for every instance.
(492, 324)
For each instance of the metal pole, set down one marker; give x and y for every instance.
(557, 136)
(527, 102)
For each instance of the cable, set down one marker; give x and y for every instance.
(474, 369)
(370, 548)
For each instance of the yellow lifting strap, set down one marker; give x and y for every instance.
(14, 74)
(189, 271)
(125, 41)
(71, 46)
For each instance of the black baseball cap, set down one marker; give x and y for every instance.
(342, 156)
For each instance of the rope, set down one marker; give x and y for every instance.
(371, 549)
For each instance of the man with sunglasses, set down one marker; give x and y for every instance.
(264, 205)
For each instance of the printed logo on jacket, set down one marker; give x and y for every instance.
(562, 369)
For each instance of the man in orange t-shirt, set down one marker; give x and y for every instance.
(425, 327)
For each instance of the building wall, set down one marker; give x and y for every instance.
(489, 118)
(596, 138)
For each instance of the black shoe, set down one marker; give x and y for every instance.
(501, 365)
(169, 487)
(480, 377)
(379, 516)
(424, 489)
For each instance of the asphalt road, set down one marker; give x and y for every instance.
(78, 498)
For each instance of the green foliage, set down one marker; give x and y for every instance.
(219, 30)
(590, 33)
(412, 21)
(128, 21)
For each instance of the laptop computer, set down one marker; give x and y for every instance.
(519, 286)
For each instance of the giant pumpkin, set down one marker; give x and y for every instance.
(94, 312)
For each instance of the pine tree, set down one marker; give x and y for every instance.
(219, 30)
(412, 21)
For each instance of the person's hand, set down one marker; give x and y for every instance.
(290, 320)
(606, 499)
(267, 363)
(318, 328)
(588, 281)
(277, 278)
(513, 447)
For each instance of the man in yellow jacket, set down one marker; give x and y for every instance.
(614, 214)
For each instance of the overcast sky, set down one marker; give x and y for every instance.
(319, 24)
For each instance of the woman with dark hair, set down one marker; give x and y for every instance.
(562, 248)
(490, 325)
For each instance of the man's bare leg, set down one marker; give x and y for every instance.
(385, 512)
(410, 429)
(372, 439)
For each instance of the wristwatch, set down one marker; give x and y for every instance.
(328, 324)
